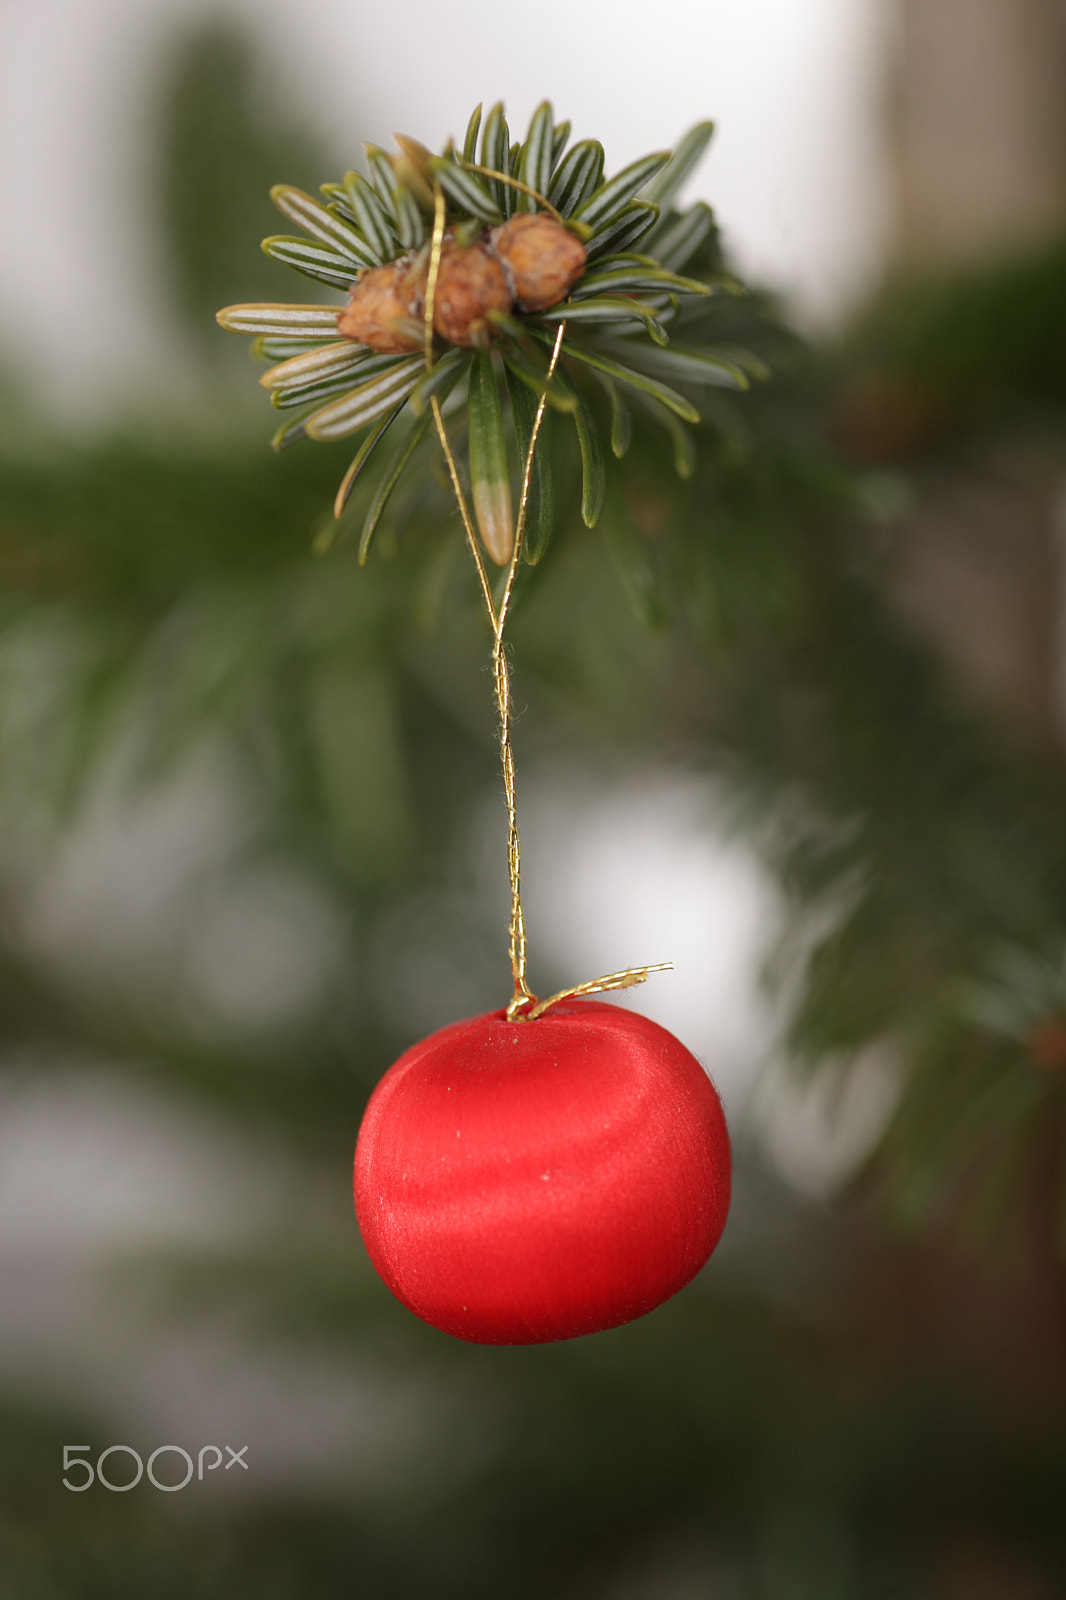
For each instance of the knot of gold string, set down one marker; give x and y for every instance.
(523, 1005)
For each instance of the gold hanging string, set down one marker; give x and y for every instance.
(502, 680)
(523, 1005)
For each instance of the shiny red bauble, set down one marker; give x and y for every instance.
(517, 1182)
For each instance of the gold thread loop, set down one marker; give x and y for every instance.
(626, 979)
(517, 929)
(523, 1005)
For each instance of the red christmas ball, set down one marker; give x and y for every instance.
(517, 1182)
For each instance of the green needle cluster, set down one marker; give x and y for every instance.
(648, 262)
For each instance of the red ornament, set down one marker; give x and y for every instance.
(517, 1182)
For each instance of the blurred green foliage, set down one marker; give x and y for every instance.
(159, 600)
(713, 1449)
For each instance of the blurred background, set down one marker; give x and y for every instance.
(797, 724)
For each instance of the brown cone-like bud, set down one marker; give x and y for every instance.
(470, 284)
(544, 258)
(383, 310)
